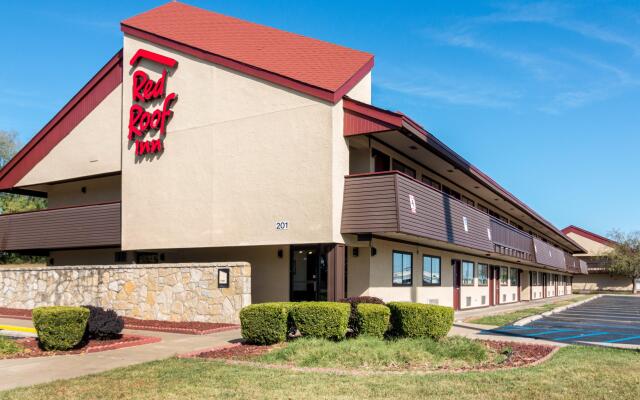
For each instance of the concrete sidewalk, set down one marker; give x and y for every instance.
(30, 371)
(481, 312)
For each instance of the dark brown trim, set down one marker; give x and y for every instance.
(589, 235)
(25, 192)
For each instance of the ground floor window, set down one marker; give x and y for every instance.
(431, 271)
(504, 276)
(513, 276)
(483, 275)
(468, 273)
(402, 268)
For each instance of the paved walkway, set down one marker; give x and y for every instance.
(31, 371)
(481, 312)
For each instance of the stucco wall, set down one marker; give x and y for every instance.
(595, 282)
(174, 292)
(91, 148)
(593, 248)
(97, 190)
(240, 154)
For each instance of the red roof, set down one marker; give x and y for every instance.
(259, 49)
(589, 235)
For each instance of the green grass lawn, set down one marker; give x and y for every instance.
(8, 347)
(513, 316)
(376, 354)
(573, 373)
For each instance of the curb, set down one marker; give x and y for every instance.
(527, 320)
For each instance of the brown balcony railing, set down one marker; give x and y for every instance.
(95, 225)
(392, 202)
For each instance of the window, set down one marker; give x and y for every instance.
(381, 161)
(504, 276)
(431, 182)
(451, 192)
(468, 201)
(402, 268)
(430, 271)
(483, 209)
(513, 276)
(398, 166)
(468, 272)
(483, 275)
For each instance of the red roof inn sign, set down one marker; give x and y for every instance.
(144, 91)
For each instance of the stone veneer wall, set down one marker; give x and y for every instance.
(172, 292)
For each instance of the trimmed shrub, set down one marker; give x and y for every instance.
(265, 323)
(354, 301)
(327, 320)
(372, 319)
(103, 324)
(420, 320)
(60, 328)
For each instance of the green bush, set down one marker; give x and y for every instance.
(265, 323)
(60, 328)
(372, 319)
(420, 320)
(327, 320)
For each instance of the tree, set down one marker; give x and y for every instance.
(624, 259)
(10, 202)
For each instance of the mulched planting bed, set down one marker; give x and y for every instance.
(189, 328)
(31, 348)
(518, 355)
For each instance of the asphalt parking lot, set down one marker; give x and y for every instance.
(608, 320)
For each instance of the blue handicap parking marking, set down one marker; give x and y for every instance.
(550, 332)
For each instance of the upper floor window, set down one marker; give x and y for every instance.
(483, 275)
(381, 161)
(468, 272)
(402, 268)
(513, 276)
(483, 208)
(468, 201)
(431, 182)
(504, 276)
(431, 271)
(451, 192)
(398, 166)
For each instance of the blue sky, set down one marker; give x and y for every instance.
(542, 96)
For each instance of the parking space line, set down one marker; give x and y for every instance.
(624, 339)
(583, 335)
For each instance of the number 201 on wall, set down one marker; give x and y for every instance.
(282, 225)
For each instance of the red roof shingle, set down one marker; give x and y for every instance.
(309, 61)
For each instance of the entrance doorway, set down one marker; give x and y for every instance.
(455, 265)
(308, 273)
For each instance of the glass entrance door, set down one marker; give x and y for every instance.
(308, 273)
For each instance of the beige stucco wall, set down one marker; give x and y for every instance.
(362, 90)
(475, 294)
(240, 155)
(91, 148)
(97, 190)
(595, 282)
(593, 248)
(358, 271)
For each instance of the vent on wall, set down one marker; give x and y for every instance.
(513, 296)
(484, 300)
(504, 298)
(468, 301)
(434, 301)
